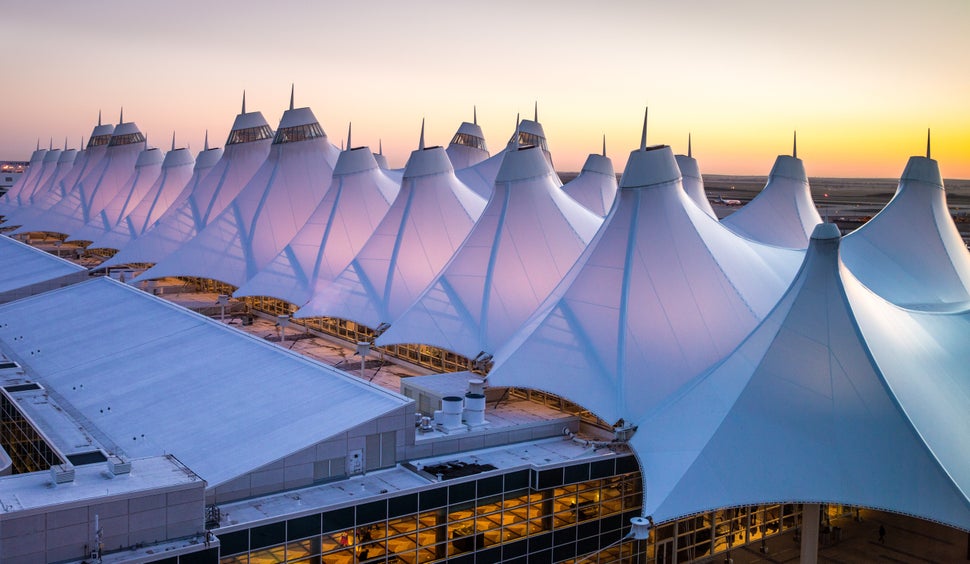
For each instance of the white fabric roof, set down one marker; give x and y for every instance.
(527, 238)
(177, 170)
(22, 265)
(783, 213)
(480, 177)
(236, 167)
(148, 166)
(461, 153)
(93, 191)
(694, 182)
(359, 195)
(427, 222)
(828, 414)
(911, 252)
(155, 378)
(83, 163)
(267, 213)
(17, 195)
(595, 187)
(65, 163)
(661, 294)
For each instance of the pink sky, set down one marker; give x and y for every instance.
(860, 81)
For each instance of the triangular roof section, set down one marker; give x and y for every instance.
(177, 169)
(16, 196)
(693, 181)
(467, 147)
(97, 188)
(595, 187)
(783, 213)
(426, 224)
(52, 183)
(84, 162)
(528, 237)
(268, 212)
(148, 167)
(911, 253)
(246, 150)
(662, 293)
(355, 202)
(481, 176)
(216, 412)
(47, 168)
(805, 392)
(22, 265)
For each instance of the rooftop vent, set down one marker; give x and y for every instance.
(82, 458)
(118, 465)
(62, 473)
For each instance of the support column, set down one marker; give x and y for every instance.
(809, 554)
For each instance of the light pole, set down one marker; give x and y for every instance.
(222, 301)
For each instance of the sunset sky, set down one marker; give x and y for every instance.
(859, 80)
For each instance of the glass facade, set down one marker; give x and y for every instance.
(98, 140)
(126, 139)
(469, 141)
(298, 133)
(28, 450)
(492, 519)
(249, 134)
(531, 139)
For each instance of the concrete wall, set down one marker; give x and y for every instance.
(326, 460)
(66, 531)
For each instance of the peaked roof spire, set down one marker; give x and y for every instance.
(38, 144)
(99, 117)
(349, 126)
(380, 146)
(475, 115)
(50, 146)
(604, 144)
(65, 142)
(690, 153)
(643, 136)
(173, 140)
(421, 140)
(244, 102)
(121, 117)
(292, 90)
(206, 146)
(516, 132)
(927, 142)
(535, 116)
(794, 146)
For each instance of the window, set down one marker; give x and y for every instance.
(125, 139)
(249, 134)
(99, 140)
(298, 133)
(469, 141)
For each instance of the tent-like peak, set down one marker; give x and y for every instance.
(146, 208)
(694, 183)
(246, 150)
(265, 215)
(468, 146)
(426, 223)
(298, 124)
(661, 294)
(911, 253)
(595, 187)
(806, 392)
(783, 213)
(359, 195)
(207, 158)
(18, 194)
(126, 134)
(100, 135)
(527, 238)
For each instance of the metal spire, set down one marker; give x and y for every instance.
(65, 142)
(604, 144)
(643, 136)
(292, 90)
(535, 117)
(173, 140)
(349, 144)
(50, 146)
(927, 142)
(690, 153)
(794, 146)
(516, 132)
(38, 144)
(380, 146)
(99, 117)
(206, 146)
(421, 141)
(244, 102)
(121, 118)
(475, 115)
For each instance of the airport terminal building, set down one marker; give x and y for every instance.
(621, 376)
